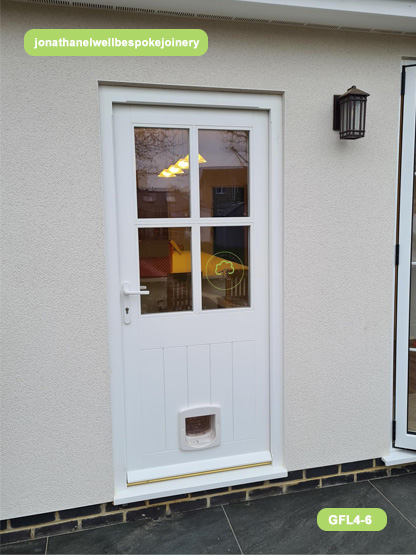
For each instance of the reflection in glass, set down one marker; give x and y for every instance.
(411, 386)
(223, 179)
(411, 423)
(165, 269)
(225, 267)
(412, 326)
(414, 229)
(162, 172)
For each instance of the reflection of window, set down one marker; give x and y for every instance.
(228, 201)
(149, 198)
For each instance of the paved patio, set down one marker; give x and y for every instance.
(281, 524)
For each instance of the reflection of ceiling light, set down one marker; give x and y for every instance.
(201, 159)
(182, 163)
(174, 169)
(166, 173)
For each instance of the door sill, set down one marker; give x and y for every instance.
(399, 456)
(196, 468)
(198, 483)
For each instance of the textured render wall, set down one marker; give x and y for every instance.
(339, 236)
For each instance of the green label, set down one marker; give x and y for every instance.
(116, 42)
(351, 520)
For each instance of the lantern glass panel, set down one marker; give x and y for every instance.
(357, 110)
(344, 116)
(363, 108)
(350, 115)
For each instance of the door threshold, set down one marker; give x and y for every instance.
(399, 456)
(191, 475)
(204, 482)
(197, 468)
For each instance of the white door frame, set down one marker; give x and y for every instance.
(402, 438)
(272, 102)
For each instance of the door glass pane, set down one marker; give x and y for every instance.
(165, 269)
(411, 407)
(411, 423)
(414, 228)
(225, 267)
(162, 172)
(223, 173)
(412, 326)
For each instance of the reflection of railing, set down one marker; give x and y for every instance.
(239, 285)
(179, 292)
(236, 293)
(232, 291)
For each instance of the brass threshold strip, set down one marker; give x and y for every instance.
(153, 480)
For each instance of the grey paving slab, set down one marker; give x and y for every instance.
(202, 531)
(401, 491)
(30, 547)
(287, 523)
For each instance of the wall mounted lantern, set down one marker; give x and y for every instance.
(349, 113)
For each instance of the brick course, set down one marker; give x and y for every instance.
(69, 520)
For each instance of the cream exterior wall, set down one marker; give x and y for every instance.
(339, 234)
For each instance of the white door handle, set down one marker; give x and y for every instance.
(126, 290)
(126, 302)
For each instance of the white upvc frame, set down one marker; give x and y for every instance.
(272, 102)
(403, 438)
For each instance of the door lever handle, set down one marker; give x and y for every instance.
(126, 303)
(127, 291)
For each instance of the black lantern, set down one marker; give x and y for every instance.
(349, 113)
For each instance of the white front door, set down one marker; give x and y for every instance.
(192, 214)
(405, 401)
